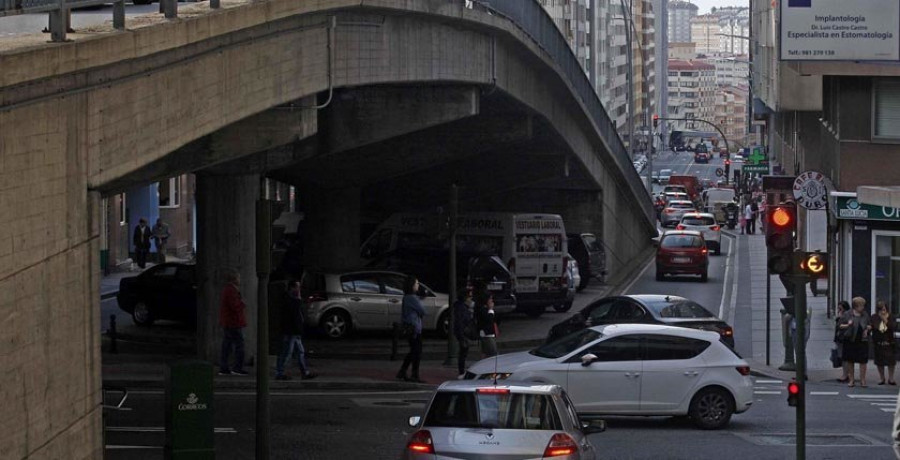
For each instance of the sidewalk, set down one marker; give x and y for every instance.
(752, 296)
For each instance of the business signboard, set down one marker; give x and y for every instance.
(830, 30)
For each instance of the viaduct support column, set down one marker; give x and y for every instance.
(226, 240)
(331, 227)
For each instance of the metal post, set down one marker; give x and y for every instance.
(263, 266)
(768, 312)
(119, 15)
(800, 339)
(454, 212)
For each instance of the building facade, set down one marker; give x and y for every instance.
(705, 34)
(679, 24)
(692, 93)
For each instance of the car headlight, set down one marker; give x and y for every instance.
(496, 376)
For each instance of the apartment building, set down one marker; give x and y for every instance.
(705, 34)
(679, 22)
(692, 93)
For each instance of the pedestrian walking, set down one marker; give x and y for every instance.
(412, 313)
(762, 216)
(856, 328)
(752, 210)
(464, 322)
(292, 323)
(233, 321)
(885, 345)
(842, 308)
(161, 235)
(141, 241)
(485, 320)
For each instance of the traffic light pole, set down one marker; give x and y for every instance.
(800, 348)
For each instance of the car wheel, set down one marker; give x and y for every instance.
(141, 314)
(563, 307)
(711, 408)
(336, 324)
(704, 277)
(443, 325)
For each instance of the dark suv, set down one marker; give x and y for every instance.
(588, 251)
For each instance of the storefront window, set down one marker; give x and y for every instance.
(886, 272)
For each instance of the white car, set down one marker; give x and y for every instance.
(706, 224)
(674, 209)
(636, 369)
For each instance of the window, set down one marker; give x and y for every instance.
(626, 311)
(664, 347)
(886, 269)
(625, 348)
(493, 410)
(393, 284)
(169, 192)
(681, 241)
(886, 93)
(679, 308)
(600, 311)
(701, 220)
(362, 283)
(165, 271)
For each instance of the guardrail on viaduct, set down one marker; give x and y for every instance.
(528, 15)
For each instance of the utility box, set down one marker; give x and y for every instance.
(189, 410)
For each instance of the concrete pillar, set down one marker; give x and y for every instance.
(331, 227)
(226, 239)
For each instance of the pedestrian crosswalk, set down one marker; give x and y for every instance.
(767, 387)
(883, 402)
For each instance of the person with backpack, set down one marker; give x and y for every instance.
(463, 327)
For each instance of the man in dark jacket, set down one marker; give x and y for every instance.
(462, 319)
(141, 237)
(291, 332)
(486, 322)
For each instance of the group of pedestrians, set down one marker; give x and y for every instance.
(142, 236)
(856, 334)
(752, 211)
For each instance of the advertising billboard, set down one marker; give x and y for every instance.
(840, 30)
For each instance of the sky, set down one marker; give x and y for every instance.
(705, 5)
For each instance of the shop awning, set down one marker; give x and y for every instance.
(887, 196)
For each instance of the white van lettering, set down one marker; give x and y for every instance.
(480, 224)
(538, 224)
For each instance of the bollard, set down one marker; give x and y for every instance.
(113, 348)
(395, 338)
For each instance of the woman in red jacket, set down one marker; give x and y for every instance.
(233, 321)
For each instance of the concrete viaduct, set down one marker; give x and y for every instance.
(367, 106)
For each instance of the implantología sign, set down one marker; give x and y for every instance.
(840, 30)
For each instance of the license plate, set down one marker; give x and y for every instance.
(495, 287)
(681, 260)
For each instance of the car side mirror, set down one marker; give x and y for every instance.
(588, 359)
(414, 421)
(592, 426)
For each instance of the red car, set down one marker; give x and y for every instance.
(682, 252)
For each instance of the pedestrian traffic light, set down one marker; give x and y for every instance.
(655, 120)
(794, 393)
(781, 224)
(811, 264)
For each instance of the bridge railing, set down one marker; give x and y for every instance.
(531, 17)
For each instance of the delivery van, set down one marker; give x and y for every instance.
(533, 246)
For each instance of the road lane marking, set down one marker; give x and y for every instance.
(884, 404)
(766, 392)
(887, 410)
(873, 396)
(734, 279)
(823, 393)
(640, 275)
(769, 381)
(725, 278)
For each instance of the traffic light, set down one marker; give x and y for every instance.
(811, 264)
(781, 224)
(655, 120)
(794, 393)
(727, 168)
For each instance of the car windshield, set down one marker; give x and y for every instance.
(681, 241)
(678, 308)
(565, 345)
(504, 410)
(665, 172)
(698, 220)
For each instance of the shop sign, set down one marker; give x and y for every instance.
(850, 208)
(811, 190)
(840, 30)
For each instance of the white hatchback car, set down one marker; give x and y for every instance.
(706, 224)
(482, 420)
(636, 369)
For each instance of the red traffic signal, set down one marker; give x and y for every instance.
(793, 393)
(727, 162)
(655, 120)
(780, 227)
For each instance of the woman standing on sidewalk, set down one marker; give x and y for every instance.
(883, 327)
(856, 327)
(842, 308)
(412, 313)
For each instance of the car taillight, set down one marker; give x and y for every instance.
(743, 370)
(727, 331)
(317, 296)
(560, 444)
(679, 227)
(704, 251)
(715, 228)
(564, 279)
(492, 391)
(668, 211)
(420, 442)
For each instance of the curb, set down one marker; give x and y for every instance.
(108, 295)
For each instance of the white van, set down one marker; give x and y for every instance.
(534, 247)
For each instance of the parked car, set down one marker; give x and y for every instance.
(433, 268)
(341, 301)
(706, 224)
(682, 252)
(165, 291)
(480, 420)
(644, 309)
(673, 211)
(636, 369)
(588, 250)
